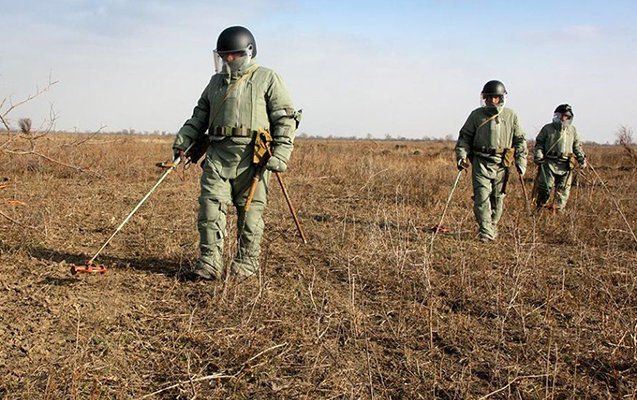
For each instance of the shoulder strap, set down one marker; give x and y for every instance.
(555, 143)
(491, 118)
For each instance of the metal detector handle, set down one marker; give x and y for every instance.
(253, 188)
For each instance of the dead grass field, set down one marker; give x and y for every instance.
(549, 311)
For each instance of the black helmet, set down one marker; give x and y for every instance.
(564, 109)
(494, 88)
(236, 38)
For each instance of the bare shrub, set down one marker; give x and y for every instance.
(25, 125)
(625, 139)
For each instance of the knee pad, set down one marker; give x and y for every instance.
(212, 216)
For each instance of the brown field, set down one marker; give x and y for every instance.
(363, 311)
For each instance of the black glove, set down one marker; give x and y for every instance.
(463, 163)
(178, 153)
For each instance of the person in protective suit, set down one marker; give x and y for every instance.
(492, 140)
(241, 99)
(557, 148)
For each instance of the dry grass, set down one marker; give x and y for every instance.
(549, 311)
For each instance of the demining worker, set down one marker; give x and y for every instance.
(492, 140)
(241, 99)
(557, 149)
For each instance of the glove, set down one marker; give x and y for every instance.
(538, 161)
(275, 164)
(521, 170)
(463, 163)
(583, 164)
(178, 153)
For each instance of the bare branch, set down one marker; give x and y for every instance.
(86, 139)
(23, 153)
(6, 124)
(29, 98)
(16, 222)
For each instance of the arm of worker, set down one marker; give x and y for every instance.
(194, 127)
(283, 123)
(577, 149)
(538, 150)
(465, 141)
(519, 144)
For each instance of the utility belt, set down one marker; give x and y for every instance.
(232, 131)
(492, 151)
(507, 154)
(555, 154)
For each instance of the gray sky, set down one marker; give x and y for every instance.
(404, 68)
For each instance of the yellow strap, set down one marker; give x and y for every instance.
(491, 118)
(554, 144)
(231, 89)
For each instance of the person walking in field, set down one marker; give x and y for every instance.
(557, 148)
(491, 141)
(241, 100)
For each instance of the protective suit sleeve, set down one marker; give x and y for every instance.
(196, 125)
(282, 118)
(519, 144)
(577, 147)
(465, 138)
(538, 150)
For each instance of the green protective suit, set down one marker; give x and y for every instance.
(554, 146)
(484, 138)
(259, 100)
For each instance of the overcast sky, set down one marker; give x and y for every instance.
(404, 68)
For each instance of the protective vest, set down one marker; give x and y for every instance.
(258, 101)
(557, 142)
(490, 136)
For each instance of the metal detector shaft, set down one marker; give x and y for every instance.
(444, 211)
(174, 165)
(526, 197)
(536, 184)
(287, 199)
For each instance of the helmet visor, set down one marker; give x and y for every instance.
(226, 64)
(491, 99)
(563, 118)
(218, 61)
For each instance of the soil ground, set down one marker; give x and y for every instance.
(364, 311)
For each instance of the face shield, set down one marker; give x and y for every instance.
(485, 103)
(564, 119)
(218, 61)
(232, 61)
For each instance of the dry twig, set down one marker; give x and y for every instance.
(517, 378)
(214, 376)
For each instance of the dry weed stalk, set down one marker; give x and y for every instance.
(216, 375)
(617, 207)
(354, 307)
